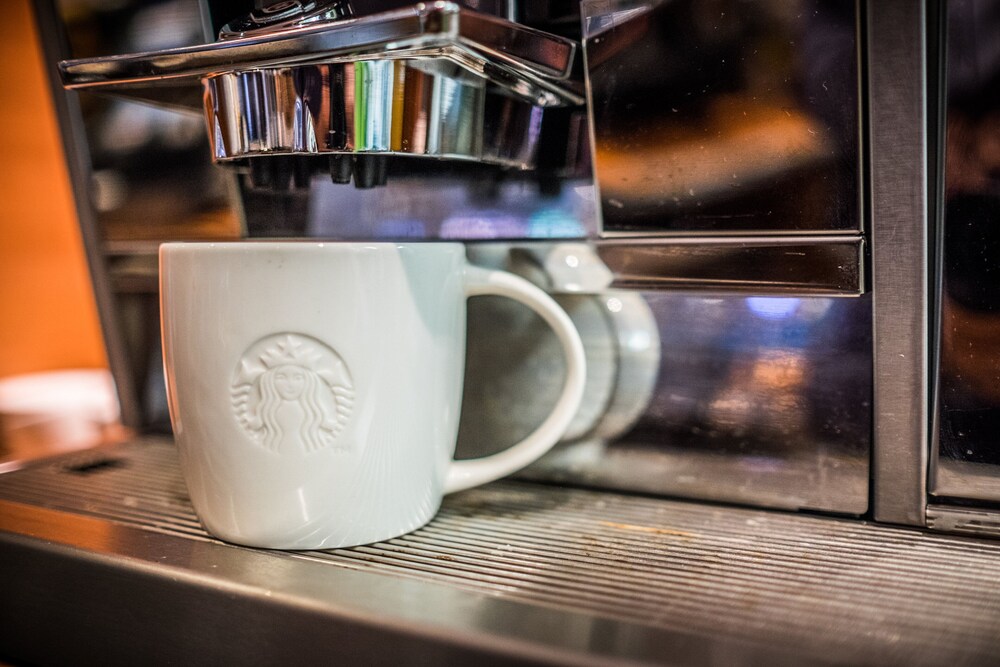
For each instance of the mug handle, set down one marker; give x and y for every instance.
(473, 472)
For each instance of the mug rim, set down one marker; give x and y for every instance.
(300, 244)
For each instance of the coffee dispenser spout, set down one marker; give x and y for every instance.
(435, 81)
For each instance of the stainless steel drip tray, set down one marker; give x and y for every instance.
(103, 561)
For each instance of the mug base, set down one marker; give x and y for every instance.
(316, 542)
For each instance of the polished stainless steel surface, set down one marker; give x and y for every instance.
(742, 117)
(759, 400)
(897, 108)
(967, 433)
(750, 266)
(407, 107)
(796, 265)
(372, 103)
(755, 400)
(434, 80)
(445, 206)
(102, 551)
(525, 62)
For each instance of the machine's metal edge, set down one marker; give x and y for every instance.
(831, 265)
(69, 578)
(77, 154)
(898, 171)
(964, 520)
(445, 24)
(937, 109)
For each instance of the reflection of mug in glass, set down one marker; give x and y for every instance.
(315, 388)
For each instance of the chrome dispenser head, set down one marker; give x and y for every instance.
(304, 78)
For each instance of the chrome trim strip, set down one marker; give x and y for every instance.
(526, 61)
(804, 265)
(782, 265)
(897, 110)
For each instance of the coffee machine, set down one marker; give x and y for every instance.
(770, 222)
(666, 203)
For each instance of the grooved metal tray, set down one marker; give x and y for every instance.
(104, 546)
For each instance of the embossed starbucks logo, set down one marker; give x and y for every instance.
(291, 392)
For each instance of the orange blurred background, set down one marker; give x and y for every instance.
(48, 318)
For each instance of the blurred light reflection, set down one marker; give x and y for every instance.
(773, 308)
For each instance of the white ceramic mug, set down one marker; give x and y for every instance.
(315, 388)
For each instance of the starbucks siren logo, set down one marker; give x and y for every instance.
(291, 392)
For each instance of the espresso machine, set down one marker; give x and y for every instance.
(771, 223)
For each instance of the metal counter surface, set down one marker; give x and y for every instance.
(103, 561)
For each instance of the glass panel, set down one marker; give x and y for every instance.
(969, 389)
(725, 116)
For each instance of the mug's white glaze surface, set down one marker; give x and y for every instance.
(315, 388)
